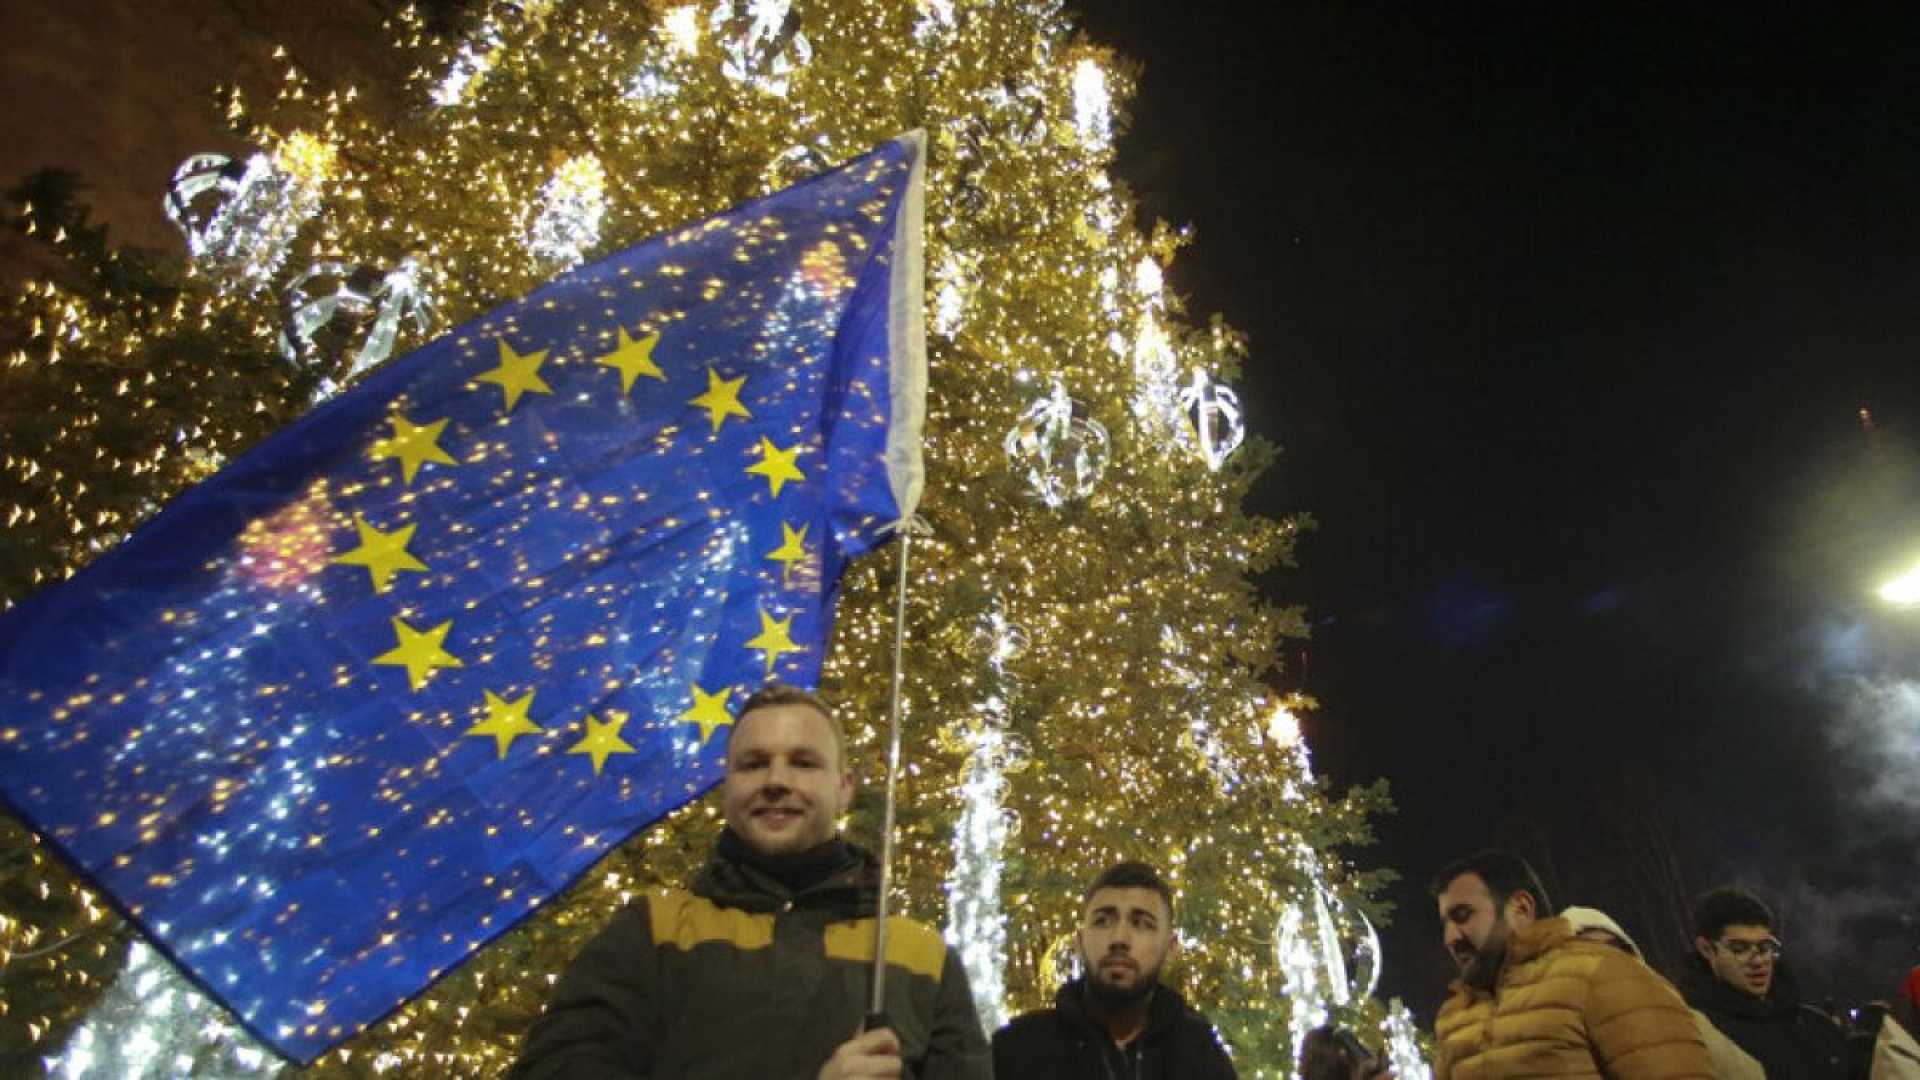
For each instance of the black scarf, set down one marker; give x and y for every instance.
(797, 871)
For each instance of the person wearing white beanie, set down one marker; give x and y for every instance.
(1729, 1061)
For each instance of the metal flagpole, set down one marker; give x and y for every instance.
(876, 1010)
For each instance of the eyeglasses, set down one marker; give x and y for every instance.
(1765, 949)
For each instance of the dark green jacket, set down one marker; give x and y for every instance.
(1064, 1043)
(739, 977)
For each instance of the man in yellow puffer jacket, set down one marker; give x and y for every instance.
(1533, 999)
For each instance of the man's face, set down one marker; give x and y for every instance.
(1126, 937)
(1474, 930)
(1742, 957)
(785, 782)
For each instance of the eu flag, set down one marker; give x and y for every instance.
(354, 706)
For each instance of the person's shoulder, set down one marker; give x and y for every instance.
(1199, 1047)
(1028, 1030)
(1029, 1022)
(911, 944)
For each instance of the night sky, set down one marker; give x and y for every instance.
(1564, 318)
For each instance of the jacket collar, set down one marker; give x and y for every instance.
(1164, 1009)
(1544, 936)
(1705, 991)
(850, 892)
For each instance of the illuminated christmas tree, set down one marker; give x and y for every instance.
(1087, 656)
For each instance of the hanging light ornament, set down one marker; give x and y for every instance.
(763, 42)
(344, 313)
(1061, 453)
(240, 217)
(1327, 952)
(795, 164)
(1211, 423)
(572, 204)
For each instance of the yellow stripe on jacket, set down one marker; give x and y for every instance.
(683, 920)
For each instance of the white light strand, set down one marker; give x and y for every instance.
(572, 204)
(681, 26)
(977, 926)
(1092, 104)
(153, 1023)
(482, 51)
(936, 17)
(1402, 1044)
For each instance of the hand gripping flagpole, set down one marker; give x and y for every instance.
(876, 1010)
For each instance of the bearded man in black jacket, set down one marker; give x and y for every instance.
(1117, 1022)
(1736, 978)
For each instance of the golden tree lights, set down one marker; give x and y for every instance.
(1145, 644)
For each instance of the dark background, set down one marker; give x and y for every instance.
(1564, 317)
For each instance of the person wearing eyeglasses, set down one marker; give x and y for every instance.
(1736, 977)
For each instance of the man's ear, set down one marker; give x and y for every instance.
(1520, 910)
(1704, 948)
(846, 791)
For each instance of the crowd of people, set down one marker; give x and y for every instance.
(762, 967)
(1568, 993)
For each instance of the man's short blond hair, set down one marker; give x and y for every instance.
(779, 693)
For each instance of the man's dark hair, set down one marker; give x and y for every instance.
(1131, 875)
(1505, 874)
(1728, 905)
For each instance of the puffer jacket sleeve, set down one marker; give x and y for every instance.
(1442, 1051)
(1639, 1027)
(596, 1025)
(956, 1046)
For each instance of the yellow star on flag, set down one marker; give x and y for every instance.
(506, 721)
(419, 653)
(709, 711)
(775, 638)
(633, 359)
(777, 464)
(722, 398)
(517, 374)
(602, 741)
(414, 444)
(792, 549)
(384, 554)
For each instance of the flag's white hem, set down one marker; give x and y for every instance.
(907, 336)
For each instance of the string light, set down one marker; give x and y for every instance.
(571, 207)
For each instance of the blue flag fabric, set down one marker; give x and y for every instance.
(357, 704)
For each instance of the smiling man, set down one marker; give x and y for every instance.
(1535, 999)
(761, 967)
(1739, 981)
(1117, 1020)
